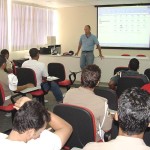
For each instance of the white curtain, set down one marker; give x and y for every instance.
(30, 26)
(3, 25)
(51, 22)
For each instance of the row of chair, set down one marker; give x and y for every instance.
(83, 123)
(54, 69)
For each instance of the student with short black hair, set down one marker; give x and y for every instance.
(133, 71)
(29, 128)
(41, 74)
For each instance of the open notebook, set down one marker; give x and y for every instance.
(27, 90)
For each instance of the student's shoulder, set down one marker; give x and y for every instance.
(93, 146)
(39, 63)
(82, 36)
(72, 90)
(48, 139)
(94, 36)
(101, 99)
(3, 136)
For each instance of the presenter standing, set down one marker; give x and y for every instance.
(87, 42)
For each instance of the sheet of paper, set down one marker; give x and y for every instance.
(52, 78)
(27, 90)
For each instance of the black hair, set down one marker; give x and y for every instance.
(90, 76)
(4, 52)
(134, 111)
(33, 52)
(2, 60)
(32, 115)
(134, 64)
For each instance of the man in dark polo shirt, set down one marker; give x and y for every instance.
(133, 67)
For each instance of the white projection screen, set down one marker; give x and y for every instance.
(124, 26)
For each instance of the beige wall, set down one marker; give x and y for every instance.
(71, 23)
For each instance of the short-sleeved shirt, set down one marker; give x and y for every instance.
(88, 42)
(132, 73)
(120, 143)
(38, 67)
(47, 140)
(86, 98)
(5, 83)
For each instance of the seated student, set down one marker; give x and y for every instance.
(85, 97)
(5, 53)
(133, 117)
(133, 67)
(29, 128)
(9, 81)
(41, 73)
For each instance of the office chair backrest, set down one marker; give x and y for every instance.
(82, 121)
(25, 75)
(110, 95)
(128, 82)
(2, 95)
(147, 73)
(117, 69)
(19, 62)
(57, 70)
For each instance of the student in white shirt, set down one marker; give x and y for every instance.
(28, 129)
(41, 74)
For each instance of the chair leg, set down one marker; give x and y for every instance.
(68, 87)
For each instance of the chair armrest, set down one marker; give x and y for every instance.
(12, 97)
(72, 76)
(107, 136)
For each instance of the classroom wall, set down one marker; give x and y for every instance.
(71, 22)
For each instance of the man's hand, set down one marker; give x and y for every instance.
(101, 56)
(76, 54)
(20, 102)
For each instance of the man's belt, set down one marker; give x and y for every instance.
(87, 51)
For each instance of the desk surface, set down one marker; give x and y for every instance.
(107, 65)
(106, 56)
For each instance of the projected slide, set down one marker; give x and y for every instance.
(124, 26)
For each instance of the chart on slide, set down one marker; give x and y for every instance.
(124, 26)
